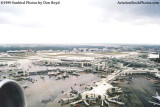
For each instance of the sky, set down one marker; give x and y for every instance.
(80, 21)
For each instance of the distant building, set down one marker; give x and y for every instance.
(11, 74)
(94, 50)
(29, 50)
(17, 52)
(100, 66)
(139, 71)
(20, 72)
(154, 56)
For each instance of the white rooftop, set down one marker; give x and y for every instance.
(153, 56)
(100, 89)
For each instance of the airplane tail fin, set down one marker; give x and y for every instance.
(157, 94)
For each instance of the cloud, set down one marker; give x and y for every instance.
(15, 10)
(16, 15)
(135, 14)
(99, 10)
(81, 21)
(9, 12)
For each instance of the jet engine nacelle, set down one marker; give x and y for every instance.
(11, 94)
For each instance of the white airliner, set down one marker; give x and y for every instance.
(157, 75)
(154, 103)
(25, 86)
(157, 97)
(42, 77)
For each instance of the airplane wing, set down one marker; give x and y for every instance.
(154, 103)
(154, 97)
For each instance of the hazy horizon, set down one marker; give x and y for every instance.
(72, 44)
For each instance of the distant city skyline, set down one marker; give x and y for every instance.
(80, 22)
